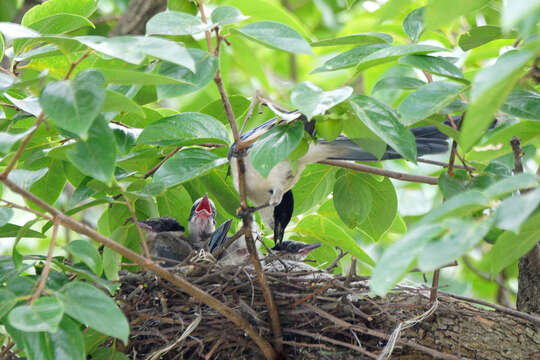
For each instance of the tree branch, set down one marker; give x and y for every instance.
(45, 272)
(388, 173)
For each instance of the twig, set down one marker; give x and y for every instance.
(167, 157)
(76, 62)
(26, 208)
(515, 142)
(250, 111)
(469, 264)
(331, 341)
(228, 243)
(443, 164)
(139, 230)
(335, 263)
(186, 286)
(530, 317)
(45, 273)
(388, 173)
(434, 286)
(21, 148)
(352, 271)
(8, 347)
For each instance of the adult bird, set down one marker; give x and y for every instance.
(272, 195)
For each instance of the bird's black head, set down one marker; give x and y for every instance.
(161, 224)
(295, 247)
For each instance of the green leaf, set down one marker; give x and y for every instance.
(314, 186)
(29, 104)
(435, 65)
(397, 82)
(517, 11)
(13, 31)
(82, 8)
(461, 205)
(131, 77)
(427, 100)
(96, 157)
(439, 12)
(93, 308)
(186, 165)
(60, 24)
(326, 231)
(7, 301)
(480, 35)
(175, 203)
(490, 87)
(206, 67)
(88, 254)
(117, 102)
(108, 353)
(11, 230)
(463, 235)
(515, 210)
(2, 47)
(25, 178)
(49, 187)
(44, 314)
(352, 198)
(5, 215)
(133, 49)
(349, 58)
(392, 53)
(383, 208)
(225, 15)
(221, 188)
(276, 35)
(175, 23)
(312, 100)
(112, 259)
(356, 39)
(524, 104)
(511, 246)
(383, 121)
(73, 105)
(399, 257)
(184, 129)
(511, 184)
(274, 146)
(413, 25)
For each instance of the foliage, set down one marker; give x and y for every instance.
(114, 107)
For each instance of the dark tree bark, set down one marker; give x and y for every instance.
(138, 13)
(528, 296)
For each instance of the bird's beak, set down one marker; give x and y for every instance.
(308, 248)
(204, 205)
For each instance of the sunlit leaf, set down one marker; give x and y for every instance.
(312, 100)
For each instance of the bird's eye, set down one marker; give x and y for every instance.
(271, 191)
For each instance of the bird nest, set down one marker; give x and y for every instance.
(322, 316)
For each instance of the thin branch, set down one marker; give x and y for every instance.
(388, 173)
(77, 62)
(443, 164)
(515, 142)
(335, 263)
(250, 111)
(184, 285)
(207, 34)
(21, 148)
(467, 261)
(167, 157)
(139, 230)
(530, 317)
(45, 272)
(26, 208)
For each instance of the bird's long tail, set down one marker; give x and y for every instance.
(429, 140)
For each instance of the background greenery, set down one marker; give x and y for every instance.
(369, 69)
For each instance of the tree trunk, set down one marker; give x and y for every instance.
(138, 13)
(528, 296)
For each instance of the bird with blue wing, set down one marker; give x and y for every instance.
(272, 195)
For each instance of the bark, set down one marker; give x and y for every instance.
(133, 21)
(528, 296)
